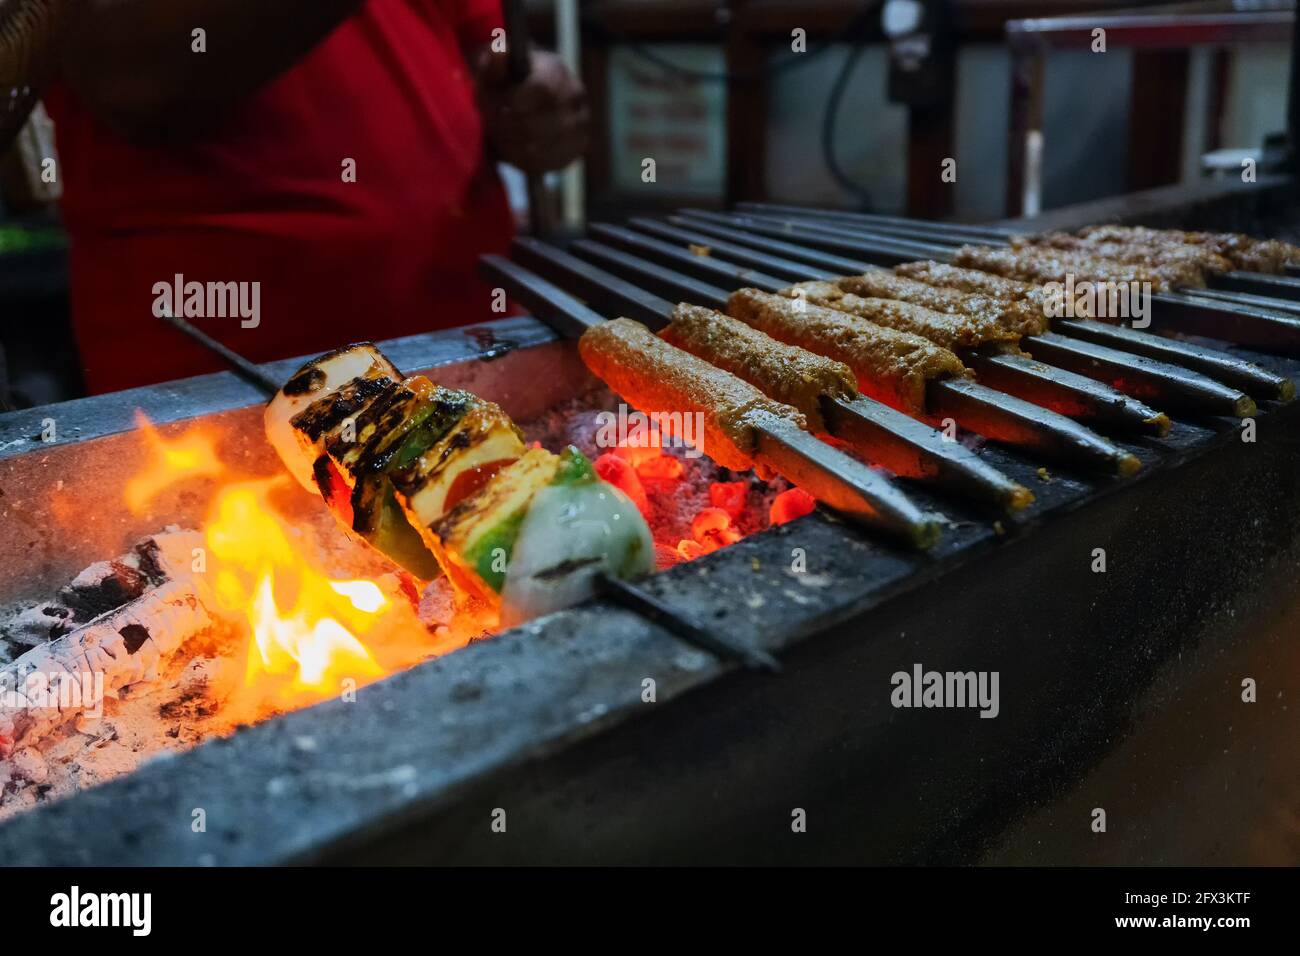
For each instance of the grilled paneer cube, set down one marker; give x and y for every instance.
(481, 441)
(361, 368)
(388, 435)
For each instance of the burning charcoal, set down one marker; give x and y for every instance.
(37, 625)
(149, 557)
(113, 651)
(437, 603)
(103, 587)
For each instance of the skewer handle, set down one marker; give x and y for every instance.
(1170, 385)
(603, 289)
(833, 264)
(913, 449)
(1250, 378)
(941, 231)
(719, 272)
(787, 269)
(1259, 284)
(846, 485)
(654, 277)
(238, 364)
(1253, 328)
(1073, 395)
(561, 311)
(1014, 421)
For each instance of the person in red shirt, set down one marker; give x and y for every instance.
(333, 160)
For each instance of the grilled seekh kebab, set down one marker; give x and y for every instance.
(881, 434)
(744, 429)
(1117, 370)
(434, 478)
(1051, 265)
(1244, 252)
(825, 391)
(913, 374)
(1141, 253)
(1236, 372)
(996, 328)
(989, 344)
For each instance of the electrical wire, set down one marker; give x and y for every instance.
(776, 65)
(829, 121)
(849, 32)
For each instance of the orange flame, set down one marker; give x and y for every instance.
(192, 454)
(311, 635)
(309, 631)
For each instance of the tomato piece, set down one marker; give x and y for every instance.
(471, 480)
(339, 498)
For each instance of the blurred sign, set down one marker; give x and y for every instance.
(675, 119)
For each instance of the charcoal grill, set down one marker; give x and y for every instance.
(548, 722)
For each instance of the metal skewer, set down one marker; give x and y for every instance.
(787, 269)
(875, 221)
(833, 264)
(1250, 378)
(1014, 421)
(238, 364)
(1074, 396)
(727, 274)
(1259, 284)
(671, 283)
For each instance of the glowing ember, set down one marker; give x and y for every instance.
(620, 473)
(689, 550)
(192, 454)
(712, 529)
(661, 468)
(730, 496)
(791, 504)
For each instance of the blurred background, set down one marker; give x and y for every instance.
(833, 103)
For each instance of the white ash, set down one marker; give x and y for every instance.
(170, 715)
(120, 647)
(100, 588)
